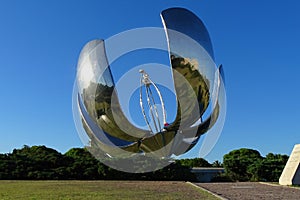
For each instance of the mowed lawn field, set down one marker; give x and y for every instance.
(100, 190)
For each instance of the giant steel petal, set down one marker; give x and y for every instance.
(191, 55)
(96, 88)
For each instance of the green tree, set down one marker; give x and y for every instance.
(217, 164)
(84, 165)
(269, 168)
(238, 164)
(194, 162)
(6, 167)
(36, 162)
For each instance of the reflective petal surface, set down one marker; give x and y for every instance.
(199, 91)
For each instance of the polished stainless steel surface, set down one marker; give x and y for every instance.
(96, 88)
(191, 55)
(197, 83)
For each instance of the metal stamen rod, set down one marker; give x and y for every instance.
(151, 109)
(162, 103)
(155, 109)
(145, 79)
(143, 109)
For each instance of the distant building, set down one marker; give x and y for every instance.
(206, 174)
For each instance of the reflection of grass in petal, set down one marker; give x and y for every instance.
(100, 190)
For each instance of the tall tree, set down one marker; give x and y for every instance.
(237, 163)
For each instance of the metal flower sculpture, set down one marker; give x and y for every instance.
(198, 86)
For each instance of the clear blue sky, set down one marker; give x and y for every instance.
(257, 42)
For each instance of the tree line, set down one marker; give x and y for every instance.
(248, 165)
(43, 163)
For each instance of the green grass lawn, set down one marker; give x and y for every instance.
(100, 190)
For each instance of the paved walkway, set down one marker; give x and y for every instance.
(251, 190)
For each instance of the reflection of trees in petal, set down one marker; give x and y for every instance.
(199, 83)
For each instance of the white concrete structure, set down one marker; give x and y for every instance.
(291, 172)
